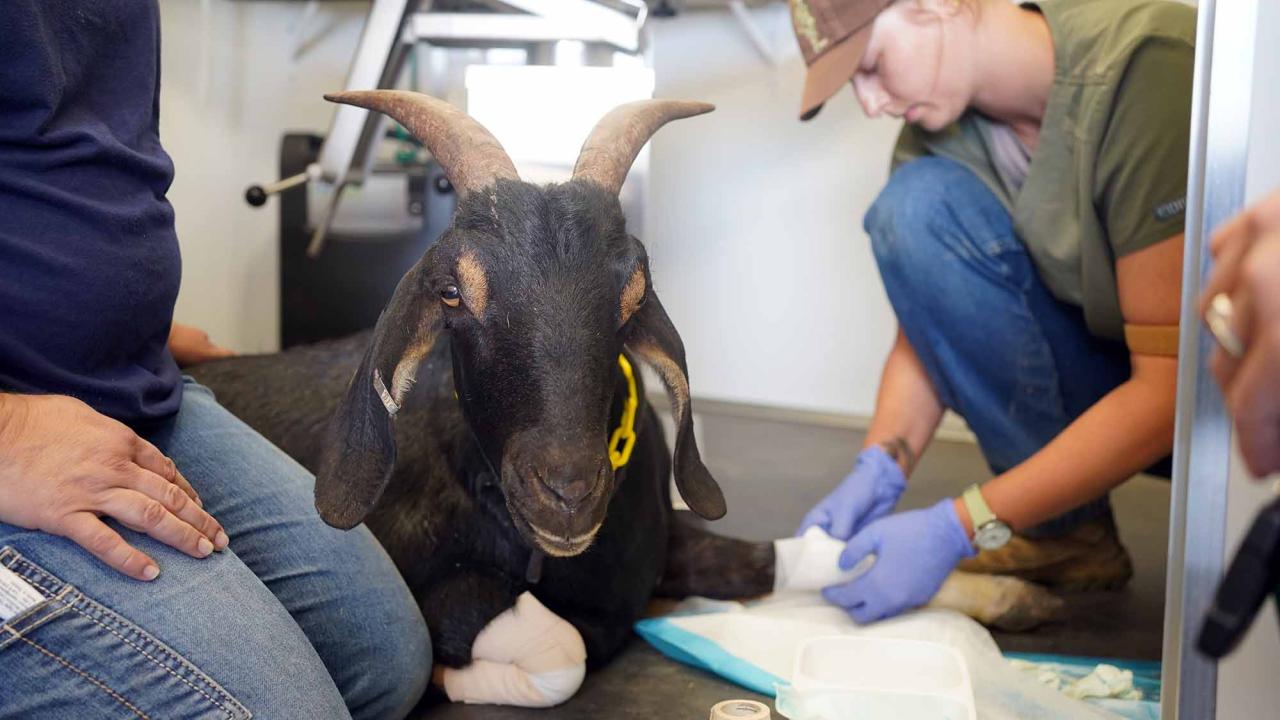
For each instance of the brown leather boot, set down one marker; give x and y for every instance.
(1088, 558)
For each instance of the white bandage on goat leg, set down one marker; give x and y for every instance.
(811, 562)
(528, 657)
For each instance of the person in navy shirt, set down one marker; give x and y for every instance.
(157, 556)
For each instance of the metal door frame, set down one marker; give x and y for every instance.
(1218, 165)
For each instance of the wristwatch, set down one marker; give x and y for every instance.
(989, 531)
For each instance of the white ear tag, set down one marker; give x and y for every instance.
(388, 402)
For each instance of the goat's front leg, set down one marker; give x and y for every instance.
(1005, 603)
(523, 655)
(459, 606)
(603, 635)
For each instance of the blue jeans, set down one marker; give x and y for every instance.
(294, 620)
(1001, 351)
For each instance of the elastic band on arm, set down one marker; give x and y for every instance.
(1152, 339)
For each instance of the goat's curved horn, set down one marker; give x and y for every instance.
(471, 156)
(613, 145)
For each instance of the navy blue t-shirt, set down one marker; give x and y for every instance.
(89, 265)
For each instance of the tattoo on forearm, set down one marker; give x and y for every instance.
(900, 450)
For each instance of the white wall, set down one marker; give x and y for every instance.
(229, 91)
(753, 224)
(1247, 686)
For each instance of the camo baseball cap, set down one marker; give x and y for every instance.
(832, 34)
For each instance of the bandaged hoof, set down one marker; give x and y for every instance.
(527, 657)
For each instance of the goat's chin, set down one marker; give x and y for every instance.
(554, 544)
(564, 547)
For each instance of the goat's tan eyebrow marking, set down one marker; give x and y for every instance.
(632, 294)
(475, 284)
(407, 369)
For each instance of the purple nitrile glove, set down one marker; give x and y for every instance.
(915, 551)
(868, 492)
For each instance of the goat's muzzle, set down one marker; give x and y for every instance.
(557, 495)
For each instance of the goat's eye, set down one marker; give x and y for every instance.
(451, 295)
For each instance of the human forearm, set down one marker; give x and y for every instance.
(1122, 434)
(907, 406)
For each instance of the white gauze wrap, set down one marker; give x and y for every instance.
(528, 657)
(811, 562)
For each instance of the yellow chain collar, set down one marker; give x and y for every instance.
(626, 431)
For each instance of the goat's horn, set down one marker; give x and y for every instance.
(613, 145)
(471, 156)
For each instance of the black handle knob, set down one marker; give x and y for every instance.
(255, 196)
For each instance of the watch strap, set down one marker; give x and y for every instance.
(979, 512)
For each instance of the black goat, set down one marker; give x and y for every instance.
(502, 356)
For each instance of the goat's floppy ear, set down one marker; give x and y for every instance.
(656, 341)
(360, 447)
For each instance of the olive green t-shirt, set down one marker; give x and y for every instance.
(1108, 176)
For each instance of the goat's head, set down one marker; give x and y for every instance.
(540, 289)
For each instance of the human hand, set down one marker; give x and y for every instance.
(915, 552)
(869, 492)
(192, 346)
(1247, 270)
(63, 466)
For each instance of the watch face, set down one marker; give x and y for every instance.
(992, 536)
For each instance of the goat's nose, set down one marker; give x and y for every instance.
(574, 482)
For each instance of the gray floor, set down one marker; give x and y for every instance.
(772, 472)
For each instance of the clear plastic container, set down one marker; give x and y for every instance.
(846, 677)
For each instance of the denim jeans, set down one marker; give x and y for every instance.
(1001, 351)
(294, 620)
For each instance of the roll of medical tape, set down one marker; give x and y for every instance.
(740, 710)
